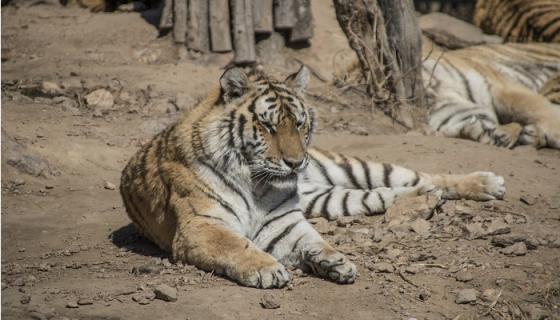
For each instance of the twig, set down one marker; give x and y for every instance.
(493, 304)
(406, 279)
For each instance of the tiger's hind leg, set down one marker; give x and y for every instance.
(458, 118)
(289, 237)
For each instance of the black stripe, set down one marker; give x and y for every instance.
(296, 243)
(448, 118)
(241, 129)
(220, 201)
(380, 197)
(364, 203)
(322, 169)
(365, 166)
(464, 79)
(347, 167)
(274, 219)
(311, 204)
(345, 210)
(226, 181)
(416, 179)
(196, 213)
(387, 170)
(273, 242)
(325, 206)
(290, 196)
(309, 192)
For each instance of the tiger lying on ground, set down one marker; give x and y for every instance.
(520, 20)
(229, 186)
(495, 94)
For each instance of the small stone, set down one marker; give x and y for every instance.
(411, 208)
(489, 295)
(44, 267)
(269, 302)
(413, 269)
(420, 226)
(72, 305)
(538, 265)
(464, 276)
(516, 249)
(392, 254)
(71, 84)
(497, 227)
(423, 295)
(528, 200)
(50, 88)
(383, 267)
(100, 99)
(165, 293)
(465, 296)
(109, 186)
(25, 299)
(85, 301)
(41, 311)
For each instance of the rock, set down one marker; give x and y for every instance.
(51, 88)
(85, 301)
(497, 227)
(269, 302)
(464, 276)
(383, 267)
(25, 161)
(41, 311)
(165, 293)
(413, 269)
(100, 99)
(109, 186)
(465, 296)
(489, 295)
(393, 254)
(140, 299)
(424, 294)
(453, 33)
(528, 200)
(44, 267)
(72, 305)
(25, 299)
(410, 208)
(420, 226)
(517, 249)
(535, 312)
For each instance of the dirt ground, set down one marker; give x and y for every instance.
(69, 252)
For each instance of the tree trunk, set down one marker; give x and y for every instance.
(243, 32)
(262, 14)
(180, 23)
(219, 26)
(385, 36)
(197, 23)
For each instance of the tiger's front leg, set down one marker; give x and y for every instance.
(288, 237)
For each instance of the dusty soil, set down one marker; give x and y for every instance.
(70, 252)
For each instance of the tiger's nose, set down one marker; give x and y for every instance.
(293, 163)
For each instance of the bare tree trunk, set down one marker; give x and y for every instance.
(262, 14)
(243, 32)
(197, 23)
(386, 39)
(219, 26)
(180, 23)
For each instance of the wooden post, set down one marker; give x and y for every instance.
(262, 15)
(219, 26)
(284, 14)
(166, 19)
(198, 31)
(180, 23)
(243, 32)
(303, 29)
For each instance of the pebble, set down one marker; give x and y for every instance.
(464, 276)
(50, 88)
(72, 305)
(528, 200)
(100, 99)
(165, 293)
(413, 269)
(383, 267)
(516, 249)
(25, 299)
(423, 295)
(420, 226)
(109, 186)
(465, 296)
(85, 301)
(489, 295)
(269, 302)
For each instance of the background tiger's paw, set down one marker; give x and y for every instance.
(507, 136)
(275, 276)
(483, 186)
(332, 265)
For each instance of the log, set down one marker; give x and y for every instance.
(197, 24)
(220, 33)
(262, 15)
(303, 29)
(284, 14)
(166, 18)
(180, 21)
(243, 32)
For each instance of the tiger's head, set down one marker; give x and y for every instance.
(270, 123)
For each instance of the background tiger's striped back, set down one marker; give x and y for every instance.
(520, 20)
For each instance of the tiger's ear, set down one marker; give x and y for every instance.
(234, 83)
(299, 80)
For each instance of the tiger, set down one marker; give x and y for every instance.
(501, 94)
(551, 89)
(520, 20)
(229, 186)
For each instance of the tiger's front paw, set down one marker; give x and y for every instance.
(332, 265)
(482, 186)
(273, 276)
